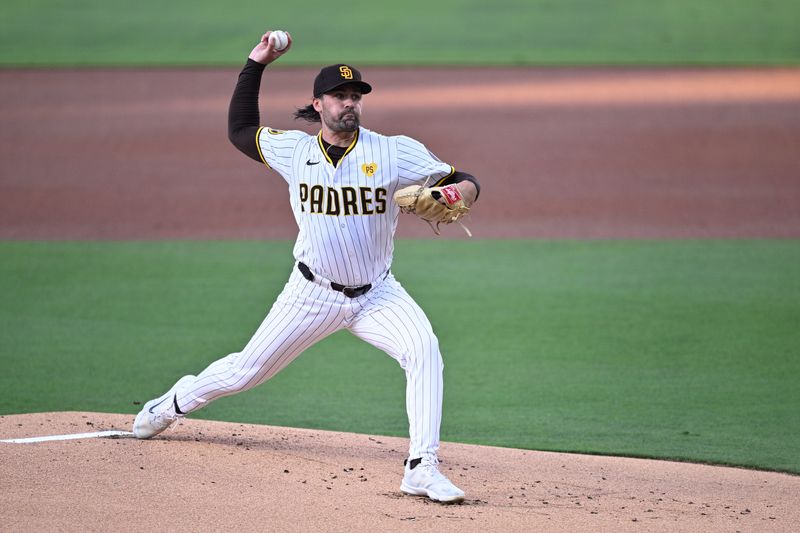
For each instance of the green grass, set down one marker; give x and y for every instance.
(686, 350)
(414, 32)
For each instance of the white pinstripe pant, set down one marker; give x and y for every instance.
(305, 313)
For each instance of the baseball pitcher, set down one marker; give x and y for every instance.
(347, 187)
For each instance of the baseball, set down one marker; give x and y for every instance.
(279, 40)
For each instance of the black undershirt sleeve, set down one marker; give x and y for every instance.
(243, 116)
(457, 177)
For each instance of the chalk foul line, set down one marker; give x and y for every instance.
(73, 436)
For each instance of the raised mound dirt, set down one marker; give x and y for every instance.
(218, 476)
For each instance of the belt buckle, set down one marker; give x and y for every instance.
(350, 292)
(354, 292)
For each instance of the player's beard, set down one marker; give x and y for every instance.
(348, 121)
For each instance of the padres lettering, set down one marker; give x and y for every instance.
(342, 201)
(346, 72)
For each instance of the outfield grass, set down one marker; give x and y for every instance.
(684, 350)
(414, 32)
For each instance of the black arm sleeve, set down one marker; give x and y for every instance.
(243, 117)
(457, 177)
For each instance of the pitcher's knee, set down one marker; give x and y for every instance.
(426, 353)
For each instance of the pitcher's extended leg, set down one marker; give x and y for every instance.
(302, 315)
(295, 322)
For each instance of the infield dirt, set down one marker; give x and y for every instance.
(561, 153)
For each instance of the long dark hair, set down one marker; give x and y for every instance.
(307, 113)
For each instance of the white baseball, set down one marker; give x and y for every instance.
(279, 40)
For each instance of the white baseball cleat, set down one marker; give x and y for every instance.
(157, 415)
(424, 479)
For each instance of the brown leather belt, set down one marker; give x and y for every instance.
(350, 292)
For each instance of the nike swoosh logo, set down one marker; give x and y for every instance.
(309, 162)
(156, 405)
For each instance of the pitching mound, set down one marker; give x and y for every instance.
(223, 476)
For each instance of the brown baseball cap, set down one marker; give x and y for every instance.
(333, 76)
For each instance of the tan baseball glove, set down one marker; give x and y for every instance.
(434, 205)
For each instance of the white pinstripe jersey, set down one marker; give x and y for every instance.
(346, 213)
